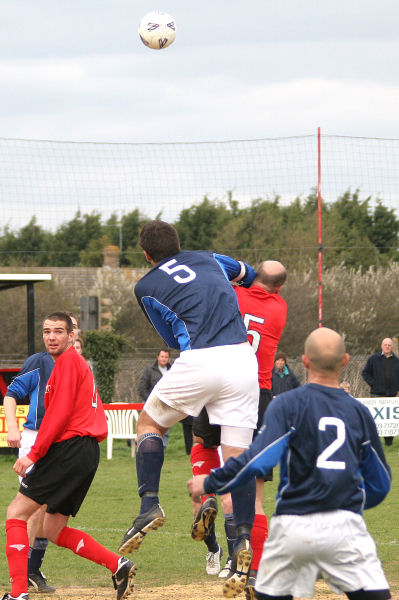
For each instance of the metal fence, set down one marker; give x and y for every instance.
(132, 366)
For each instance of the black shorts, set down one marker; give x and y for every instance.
(210, 434)
(203, 429)
(265, 397)
(61, 479)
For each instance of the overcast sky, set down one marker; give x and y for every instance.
(76, 70)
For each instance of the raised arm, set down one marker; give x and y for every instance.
(235, 270)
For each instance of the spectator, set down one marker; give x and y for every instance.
(153, 373)
(381, 372)
(78, 345)
(283, 379)
(150, 377)
(345, 385)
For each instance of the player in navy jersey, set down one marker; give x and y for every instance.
(332, 466)
(188, 298)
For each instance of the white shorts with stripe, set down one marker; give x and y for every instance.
(224, 378)
(334, 546)
(28, 438)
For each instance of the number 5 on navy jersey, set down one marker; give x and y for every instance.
(189, 273)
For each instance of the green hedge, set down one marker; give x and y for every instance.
(103, 348)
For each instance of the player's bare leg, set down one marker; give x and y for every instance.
(35, 524)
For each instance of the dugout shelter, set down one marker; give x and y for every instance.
(10, 280)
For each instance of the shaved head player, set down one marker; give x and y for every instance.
(332, 466)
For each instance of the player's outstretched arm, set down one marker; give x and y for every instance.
(236, 271)
(262, 455)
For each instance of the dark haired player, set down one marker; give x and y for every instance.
(31, 383)
(65, 456)
(332, 466)
(190, 302)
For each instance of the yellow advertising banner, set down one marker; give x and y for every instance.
(22, 411)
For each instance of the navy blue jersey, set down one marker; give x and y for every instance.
(329, 451)
(190, 302)
(31, 381)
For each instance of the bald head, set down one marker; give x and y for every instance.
(386, 346)
(271, 275)
(325, 350)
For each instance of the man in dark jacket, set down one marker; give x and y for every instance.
(153, 373)
(283, 379)
(381, 372)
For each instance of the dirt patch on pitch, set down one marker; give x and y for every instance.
(198, 591)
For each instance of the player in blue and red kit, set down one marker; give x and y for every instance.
(65, 456)
(188, 298)
(332, 466)
(264, 314)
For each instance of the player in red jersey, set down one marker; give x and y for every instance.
(264, 313)
(65, 456)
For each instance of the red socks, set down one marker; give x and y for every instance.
(258, 537)
(83, 544)
(17, 551)
(203, 460)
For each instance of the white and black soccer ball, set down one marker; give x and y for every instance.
(157, 30)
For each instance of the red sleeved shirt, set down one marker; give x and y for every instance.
(72, 404)
(264, 316)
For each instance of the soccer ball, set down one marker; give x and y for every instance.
(157, 30)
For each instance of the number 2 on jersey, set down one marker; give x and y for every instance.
(323, 461)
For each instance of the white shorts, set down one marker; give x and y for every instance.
(224, 378)
(335, 546)
(28, 438)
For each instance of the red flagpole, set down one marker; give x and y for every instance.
(320, 246)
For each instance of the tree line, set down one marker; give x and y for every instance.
(360, 265)
(356, 234)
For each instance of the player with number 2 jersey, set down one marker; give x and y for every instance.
(332, 466)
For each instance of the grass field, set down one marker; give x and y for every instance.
(167, 556)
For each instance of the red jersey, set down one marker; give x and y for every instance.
(264, 316)
(72, 405)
